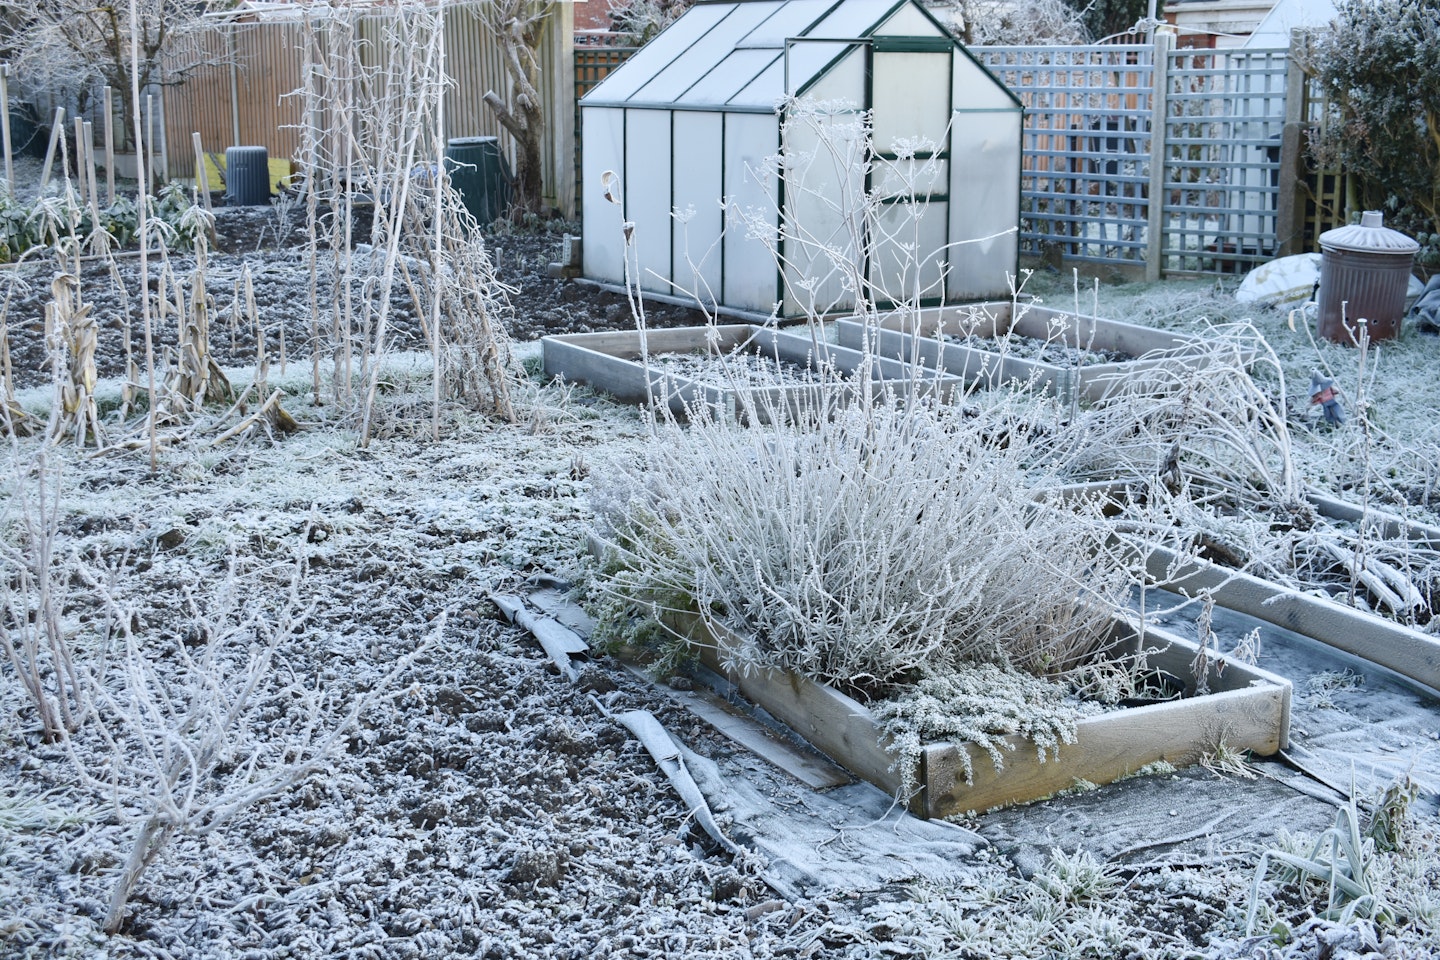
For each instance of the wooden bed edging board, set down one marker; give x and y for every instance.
(610, 361)
(1390, 526)
(916, 338)
(1249, 709)
(1406, 651)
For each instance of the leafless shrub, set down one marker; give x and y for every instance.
(33, 578)
(196, 730)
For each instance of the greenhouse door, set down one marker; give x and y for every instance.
(910, 99)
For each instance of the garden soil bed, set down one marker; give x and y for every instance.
(1247, 708)
(999, 343)
(801, 372)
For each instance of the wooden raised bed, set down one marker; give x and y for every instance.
(1405, 650)
(611, 361)
(918, 337)
(1402, 649)
(1248, 708)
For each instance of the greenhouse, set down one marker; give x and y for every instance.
(753, 181)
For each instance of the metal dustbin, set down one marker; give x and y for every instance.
(1364, 274)
(480, 175)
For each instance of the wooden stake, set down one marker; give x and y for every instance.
(5, 129)
(149, 142)
(80, 158)
(109, 149)
(164, 142)
(202, 176)
(90, 177)
(57, 130)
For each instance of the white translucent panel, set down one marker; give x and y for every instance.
(603, 250)
(976, 89)
(658, 54)
(911, 177)
(824, 209)
(985, 204)
(734, 72)
(910, 96)
(699, 220)
(852, 18)
(765, 90)
(908, 256)
(843, 79)
(647, 198)
(751, 277)
(705, 51)
(789, 21)
(909, 21)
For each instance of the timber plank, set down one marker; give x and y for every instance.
(1248, 710)
(1406, 651)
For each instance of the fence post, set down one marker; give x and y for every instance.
(562, 124)
(1290, 205)
(5, 129)
(1155, 210)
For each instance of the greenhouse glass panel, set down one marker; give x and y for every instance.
(655, 56)
(816, 70)
(751, 276)
(824, 206)
(986, 193)
(604, 136)
(853, 18)
(762, 93)
(789, 21)
(909, 21)
(706, 51)
(647, 189)
(928, 177)
(908, 258)
(734, 72)
(976, 89)
(910, 95)
(699, 218)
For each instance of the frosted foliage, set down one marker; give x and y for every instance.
(981, 704)
(867, 548)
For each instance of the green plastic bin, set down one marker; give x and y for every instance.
(480, 175)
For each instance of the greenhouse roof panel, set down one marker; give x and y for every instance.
(765, 90)
(732, 74)
(707, 50)
(671, 44)
(851, 18)
(789, 21)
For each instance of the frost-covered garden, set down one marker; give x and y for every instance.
(992, 631)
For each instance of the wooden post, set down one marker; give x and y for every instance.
(57, 130)
(202, 176)
(1159, 91)
(5, 129)
(234, 87)
(109, 149)
(80, 151)
(164, 141)
(1290, 206)
(149, 143)
(562, 32)
(90, 174)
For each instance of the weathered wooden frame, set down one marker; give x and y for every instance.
(610, 361)
(1382, 641)
(1248, 709)
(917, 337)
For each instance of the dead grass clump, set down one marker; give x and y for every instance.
(867, 545)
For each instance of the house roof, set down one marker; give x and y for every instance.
(732, 54)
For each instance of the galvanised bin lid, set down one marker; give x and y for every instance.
(1370, 235)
